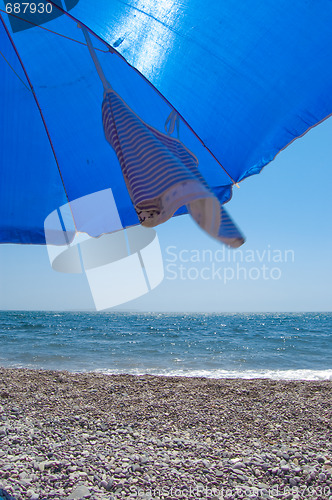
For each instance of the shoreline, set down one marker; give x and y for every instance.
(65, 434)
(286, 375)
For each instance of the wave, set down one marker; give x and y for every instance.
(23, 326)
(221, 374)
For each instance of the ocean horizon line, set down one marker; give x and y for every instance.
(108, 311)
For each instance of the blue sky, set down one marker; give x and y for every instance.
(285, 264)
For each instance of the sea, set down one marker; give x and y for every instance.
(287, 346)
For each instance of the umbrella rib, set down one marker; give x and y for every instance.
(37, 103)
(114, 51)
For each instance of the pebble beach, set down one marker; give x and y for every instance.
(85, 435)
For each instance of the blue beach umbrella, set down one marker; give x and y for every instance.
(219, 87)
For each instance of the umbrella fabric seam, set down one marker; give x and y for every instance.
(18, 76)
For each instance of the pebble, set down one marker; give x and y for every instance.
(109, 485)
(97, 437)
(239, 465)
(136, 468)
(79, 493)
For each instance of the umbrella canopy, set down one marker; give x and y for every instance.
(244, 79)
